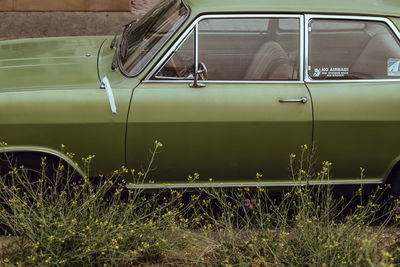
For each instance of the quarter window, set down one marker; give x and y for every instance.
(181, 63)
(352, 49)
(239, 49)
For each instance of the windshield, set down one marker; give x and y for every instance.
(140, 42)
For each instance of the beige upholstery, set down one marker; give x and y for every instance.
(270, 63)
(373, 60)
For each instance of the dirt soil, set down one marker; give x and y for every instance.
(15, 25)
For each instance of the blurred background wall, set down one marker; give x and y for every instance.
(64, 5)
(46, 18)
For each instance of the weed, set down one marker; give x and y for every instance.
(67, 221)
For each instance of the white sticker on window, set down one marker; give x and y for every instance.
(330, 72)
(393, 67)
(317, 72)
(338, 72)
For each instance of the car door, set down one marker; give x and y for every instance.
(244, 112)
(353, 76)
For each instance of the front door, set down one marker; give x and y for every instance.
(252, 111)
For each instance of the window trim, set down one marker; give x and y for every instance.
(187, 32)
(307, 21)
(160, 78)
(304, 48)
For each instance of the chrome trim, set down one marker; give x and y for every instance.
(224, 82)
(172, 54)
(195, 83)
(306, 47)
(110, 95)
(178, 42)
(309, 17)
(297, 100)
(301, 49)
(255, 184)
(353, 81)
(52, 152)
(196, 48)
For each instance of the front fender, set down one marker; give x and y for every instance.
(43, 150)
(387, 175)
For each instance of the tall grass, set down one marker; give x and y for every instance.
(66, 221)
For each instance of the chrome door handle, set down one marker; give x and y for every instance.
(297, 100)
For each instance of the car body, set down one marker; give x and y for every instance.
(230, 88)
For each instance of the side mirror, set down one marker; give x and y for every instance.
(200, 74)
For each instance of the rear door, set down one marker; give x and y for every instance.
(353, 76)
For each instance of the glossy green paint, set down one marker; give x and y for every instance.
(357, 125)
(49, 62)
(64, 104)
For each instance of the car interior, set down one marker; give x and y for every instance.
(363, 48)
(232, 54)
(268, 49)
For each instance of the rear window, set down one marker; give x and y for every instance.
(352, 49)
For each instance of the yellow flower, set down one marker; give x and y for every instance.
(158, 144)
(48, 260)
(3, 143)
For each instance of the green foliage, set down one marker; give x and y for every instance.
(60, 222)
(67, 221)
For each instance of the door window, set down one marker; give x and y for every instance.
(238, 49)
(352, 49)
(181, 63)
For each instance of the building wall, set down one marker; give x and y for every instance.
(65, 5)
(27, 24)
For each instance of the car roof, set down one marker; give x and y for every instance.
(356, 7)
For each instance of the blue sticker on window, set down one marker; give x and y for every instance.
(393, 67)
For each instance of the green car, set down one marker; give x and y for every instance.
(230, 88)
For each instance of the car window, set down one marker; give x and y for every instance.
(141, 41)
(238, 49)
(338, 26)
(288, 25)
(232, 25)
(181, 63)
(352, 49)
